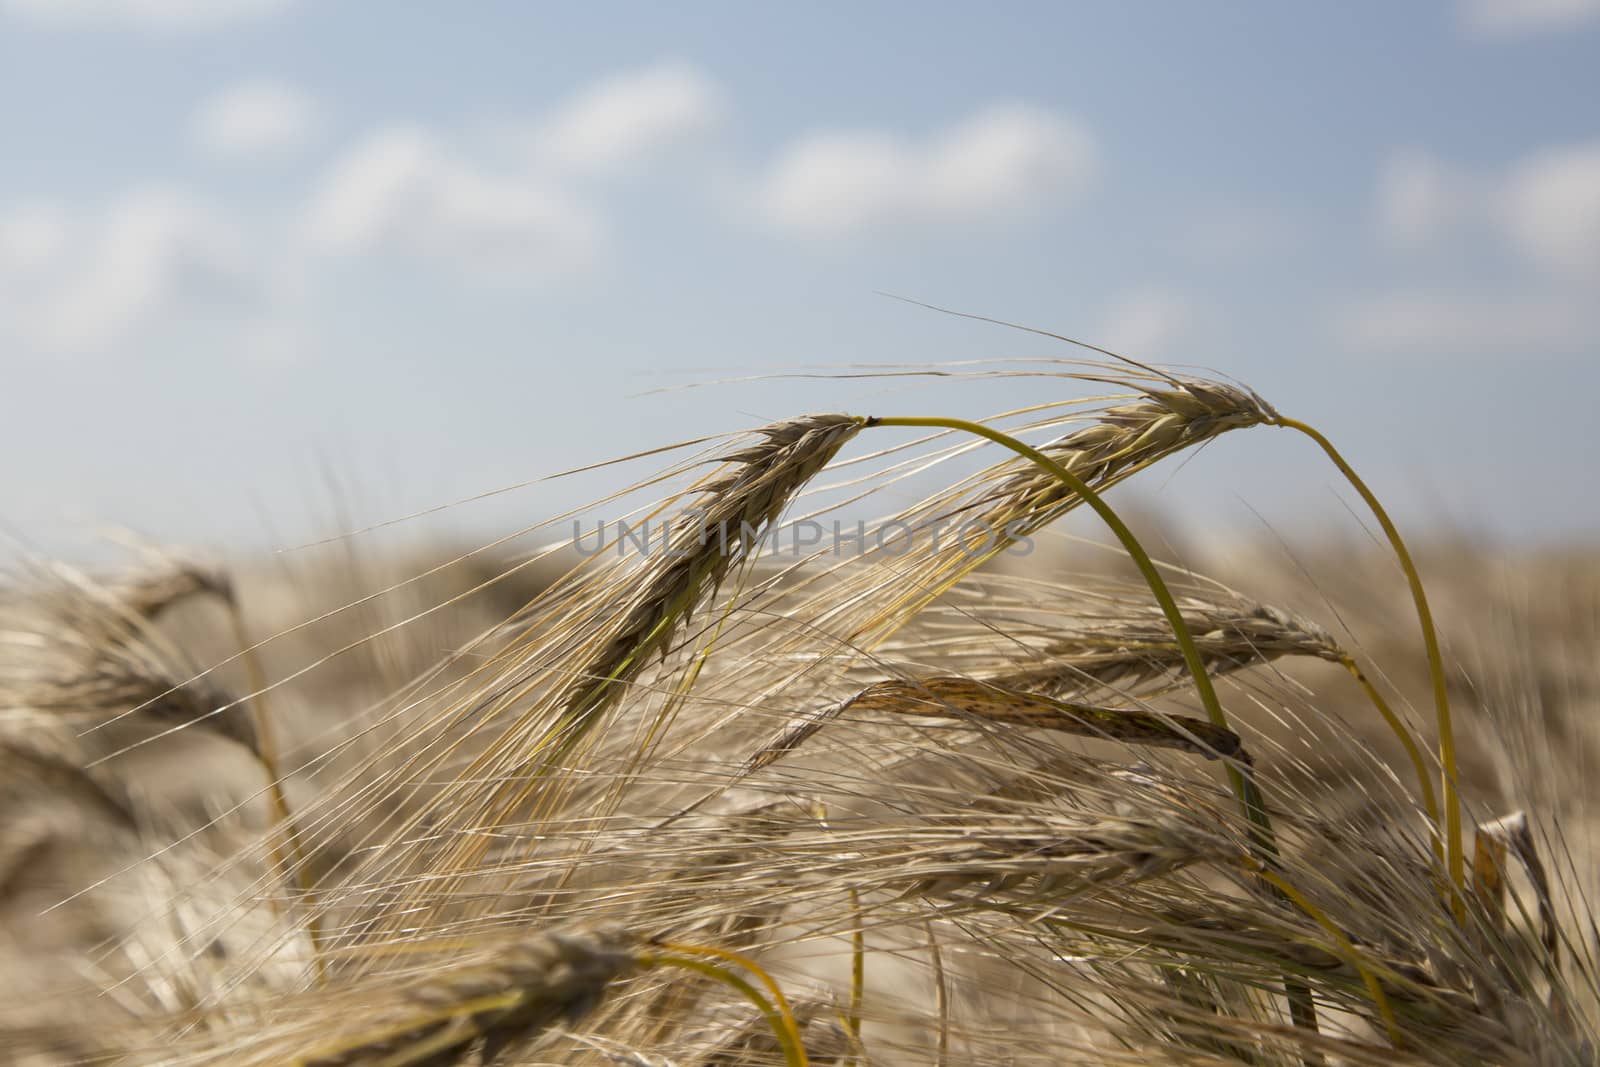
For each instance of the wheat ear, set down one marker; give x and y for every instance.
(959, 698)
(551, 977)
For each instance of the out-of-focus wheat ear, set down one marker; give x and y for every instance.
(171, 578)
(490, 1006)
(37, 766)
(174, 577)
(288, 857)
(950, 697)
(168, 581)
(94, 655)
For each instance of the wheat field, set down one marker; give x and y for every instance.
(722, 798)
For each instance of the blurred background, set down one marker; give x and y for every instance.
(270, 269)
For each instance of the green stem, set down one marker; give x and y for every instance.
(1380, 1000)
(783, 1026)
(1429, 801)
(1454, 860)
(858, 969)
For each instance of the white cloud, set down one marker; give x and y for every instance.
(1453, 324)
(1420, 197)
(32, 239)
(629, 117)
(1148, 324)
(1551, 209)
(1007, 161)
(166, 15)
(1500, 18)
(403, 190)
(155, 252)
(255, 119)
(1546, 208)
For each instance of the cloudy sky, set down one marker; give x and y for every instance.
(271, 268)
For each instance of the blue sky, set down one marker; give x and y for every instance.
(269, 268)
